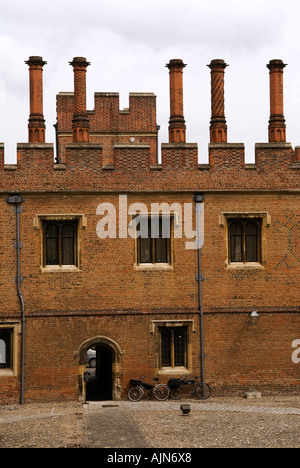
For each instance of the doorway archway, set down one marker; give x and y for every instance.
(101, 382)
(99, 378)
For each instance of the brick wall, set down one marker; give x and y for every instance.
(54, 369)
(241, 357)
(107, 298)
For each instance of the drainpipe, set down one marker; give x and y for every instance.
(157, 143)
(57, 158)
(17, 200)
(199, 199)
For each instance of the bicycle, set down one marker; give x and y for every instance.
(160, 391)
(202, 390)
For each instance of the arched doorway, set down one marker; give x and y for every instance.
(100, 371)
(99, 377)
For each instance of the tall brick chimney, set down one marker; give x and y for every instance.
(81, 124)
(218, 126)
(36, 122)
(277, 127)
(177, 127)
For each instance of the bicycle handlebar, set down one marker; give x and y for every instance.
(185, 378)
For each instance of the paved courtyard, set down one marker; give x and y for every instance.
(218, 422)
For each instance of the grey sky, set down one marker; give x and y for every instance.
(128, 43)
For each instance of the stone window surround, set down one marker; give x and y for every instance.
(157, 266)
(266, 222)
(82, 224)
(155, 327)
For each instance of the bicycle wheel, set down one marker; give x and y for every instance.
(176, 393)
(135, 394)
(203, 391)
(161, 392)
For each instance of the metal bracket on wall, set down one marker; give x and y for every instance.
(202, 278)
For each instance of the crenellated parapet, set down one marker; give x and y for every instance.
(110, 149)
(86, 168)
(108, 125)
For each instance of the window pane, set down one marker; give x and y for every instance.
(3, 353)
(236, 242)
(162, 239)
(251, 237)
(5, 349)
(161, 250)
(67, 242)
(162, 227)
(155, 227)
(145, 250)
(52, 235)
(166, 339)
(144, 240)
(179, 346)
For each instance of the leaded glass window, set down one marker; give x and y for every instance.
(244, 240)
(251, 242)
(154, 241)
(173, 347)
(60, 243)
(236, 242)
(166, 343)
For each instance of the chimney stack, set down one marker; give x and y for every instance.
(177, 127)
(277, 127)
(36, 122)
(218, 126)
(81, 124)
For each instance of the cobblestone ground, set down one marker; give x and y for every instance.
(272, 422)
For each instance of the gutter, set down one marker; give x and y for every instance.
(17, 200)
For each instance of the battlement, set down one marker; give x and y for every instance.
(107, 117)
(85, 169)
(108, 125)
(116, 150)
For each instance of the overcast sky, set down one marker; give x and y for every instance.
(129, 42)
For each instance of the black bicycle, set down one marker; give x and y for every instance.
(202, 390)
(160, 391)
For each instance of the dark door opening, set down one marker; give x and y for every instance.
(99, 387)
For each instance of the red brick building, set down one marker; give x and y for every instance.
(76, 275)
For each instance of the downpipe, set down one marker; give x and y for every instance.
(16, 201)
(199, 199)
(57, 158)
